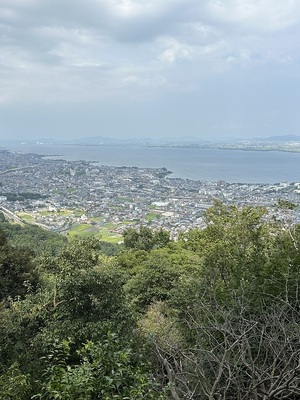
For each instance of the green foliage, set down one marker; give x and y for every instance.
(79, 253)
(235, 247)
(107, 370)
(22, 321)
(110, 249)
(154, 281)
(32, 237)
(93, 295)
(22, 196)
(214, 314)
(14, 385)
(159, 324)
(286, 205)
(145, 238)
(129, 259)
(158, 276)
(18, 274)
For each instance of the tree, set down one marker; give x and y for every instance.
(32, 237)
(14, 385)
(158, 276)
(235, 248)
(105, 370)
(145, 238)
(140, 240)
(237, 355)
(18, 274)
(79, 300)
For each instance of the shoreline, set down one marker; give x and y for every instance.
(205, 164)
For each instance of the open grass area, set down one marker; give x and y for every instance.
(151, 216)
(26, 217)
(110, 237)
(97, 219)
(105, 232)
(97, 227)
(110, 225)
(83, 230)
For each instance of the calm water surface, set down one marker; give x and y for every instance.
(188, 163)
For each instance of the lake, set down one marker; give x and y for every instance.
(187, 163)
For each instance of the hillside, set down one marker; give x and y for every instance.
(213, 314)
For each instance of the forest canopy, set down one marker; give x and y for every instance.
(212, 315)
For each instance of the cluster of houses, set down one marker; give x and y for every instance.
(78, 192)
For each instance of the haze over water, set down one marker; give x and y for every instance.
(187, 163)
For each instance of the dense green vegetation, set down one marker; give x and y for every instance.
(214, 315)
(32, 237)
(22, 196)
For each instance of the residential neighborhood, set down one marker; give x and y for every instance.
(80, 197)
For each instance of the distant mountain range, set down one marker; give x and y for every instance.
(103, 140)
(107, 140)
(284, 138)
(146, 140)
(97, 140)
(142, 140)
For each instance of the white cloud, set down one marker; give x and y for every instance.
(56, 49)
(175, 51)
(256, 15)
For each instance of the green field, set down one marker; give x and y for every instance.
(151, 216)
(97, 219)
(97, 227)
(26, 217)
(104, 232)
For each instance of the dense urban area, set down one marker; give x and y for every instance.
(85, 198)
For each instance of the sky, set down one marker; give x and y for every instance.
(208, 69)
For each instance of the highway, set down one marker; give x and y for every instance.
(10, 215)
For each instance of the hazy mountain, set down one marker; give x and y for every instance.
(283, 138)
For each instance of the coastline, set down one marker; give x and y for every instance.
(188, 162)
(241, 148)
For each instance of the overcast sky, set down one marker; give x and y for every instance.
(149, 68)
